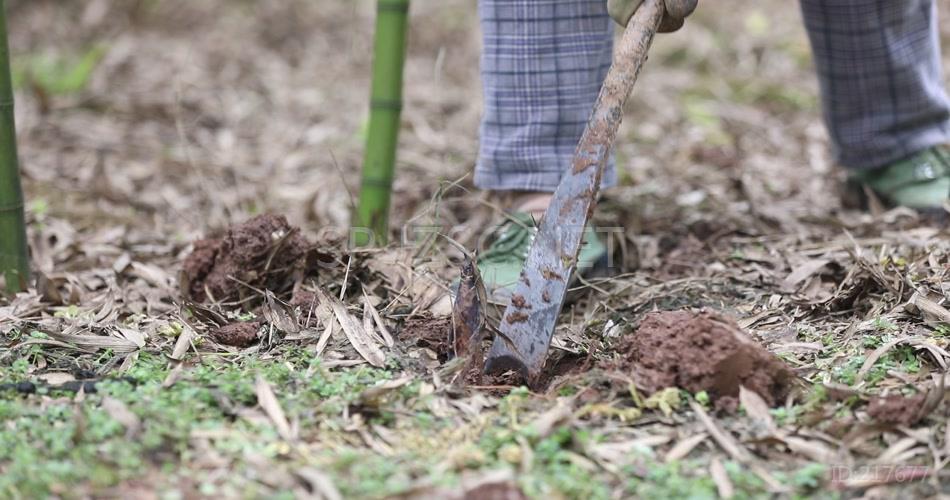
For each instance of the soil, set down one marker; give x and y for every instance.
(701, 351)
(237, 334)
(896, 409)
(496, 491)
(429, 332)
(263, 252)
(303, 299)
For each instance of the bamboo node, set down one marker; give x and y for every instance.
(393, 104)
(393, 6)
(382, 182)
(16, 207)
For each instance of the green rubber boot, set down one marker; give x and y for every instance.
(501, 264)
(920, 181)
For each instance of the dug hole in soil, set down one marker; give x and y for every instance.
(701, 351)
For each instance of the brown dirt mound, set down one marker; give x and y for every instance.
(897, 409)
(237, 334)
(263, 252)
(702, 351)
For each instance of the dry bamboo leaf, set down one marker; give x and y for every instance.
(895, 450)
(797, 347)
(56, 378)
(722, 438)
(132, 335)
(55, 343)
(122, 262)
(387, 337)
(774, 485)
(97, 342)
(153, 275)
(320, 483)
(719, 476)
(277, 314)
(935, 395)
(107, 312)
(374, 443)
(802, 273)
(359, 338)
(268, 402)
(324, 338)
(931, 310)
(128, 362)
(757, 409)
(184, 342)
(547, 421)
(619, 452)
(939, 354)
(814, 450)
(683, 448)
(909, 455)
(122, 414)
(372, 396)
(873, 357)
(174, 374)
(369, 326)
(326, 318)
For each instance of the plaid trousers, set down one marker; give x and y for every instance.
(878, 64)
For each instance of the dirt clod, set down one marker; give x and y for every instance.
(237, 334)
(304, 299)
(263, 252)
(896, 409)
(702, 351)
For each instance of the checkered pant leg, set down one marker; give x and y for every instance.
(543, 62)
(878, 65)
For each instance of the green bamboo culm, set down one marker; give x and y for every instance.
(14, 262)
(371, 220)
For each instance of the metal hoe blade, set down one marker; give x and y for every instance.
(529, 320)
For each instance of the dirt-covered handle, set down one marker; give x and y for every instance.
(631, 52)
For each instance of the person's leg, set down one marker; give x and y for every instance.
(878, 63)
(543, 62)
(542, 66)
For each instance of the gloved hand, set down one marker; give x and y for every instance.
(676, 12)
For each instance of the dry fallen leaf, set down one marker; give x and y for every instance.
(801, 273)
(757, 409)
(268, 402)
(320, 483)
(122, 414)
(358, 337)
(56, 378)
(383, 331)
(722, 438)
(719, 476)
(682, 448)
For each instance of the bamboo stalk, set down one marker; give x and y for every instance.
(371, 221)
(14, 262)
